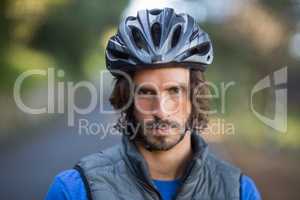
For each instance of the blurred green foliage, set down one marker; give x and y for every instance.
(60, 33)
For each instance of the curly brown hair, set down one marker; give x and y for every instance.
(198, 119)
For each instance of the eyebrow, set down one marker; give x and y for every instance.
(180, 85)
(144, 87)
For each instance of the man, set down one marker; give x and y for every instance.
(162, 56)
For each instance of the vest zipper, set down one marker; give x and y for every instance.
(152, 190)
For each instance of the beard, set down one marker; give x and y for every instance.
(153, 142)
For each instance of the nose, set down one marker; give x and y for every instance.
(161, 109)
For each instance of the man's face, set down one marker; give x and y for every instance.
(162, 106)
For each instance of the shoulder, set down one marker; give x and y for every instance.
(67, 185)
(225, 177)
(101, 168)
(100, 171)
(70, 175)
(222, 167)
(105, 159)
(249, 190)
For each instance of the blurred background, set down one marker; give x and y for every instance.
(252, 39)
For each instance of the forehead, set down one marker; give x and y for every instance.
(162, 76)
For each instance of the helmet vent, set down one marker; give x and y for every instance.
(194, 35)
(118, 54)
(155, 11)
(131, 18)
(156, 33)
(200, 49)
(175, 37)
(138, 38)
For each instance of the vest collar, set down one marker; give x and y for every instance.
(139, 168)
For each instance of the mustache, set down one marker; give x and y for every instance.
(156, 124)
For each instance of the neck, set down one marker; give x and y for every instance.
(168, 165)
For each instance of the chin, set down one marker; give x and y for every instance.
(157, 142)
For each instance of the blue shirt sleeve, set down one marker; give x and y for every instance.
(67, 185)
(248, 189)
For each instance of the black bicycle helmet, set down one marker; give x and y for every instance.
(158, 36)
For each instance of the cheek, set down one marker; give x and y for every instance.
(143, 106)
(140, 107)
(185, 106)
(141, 112)
(184, 111)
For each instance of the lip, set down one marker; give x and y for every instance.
(161, 131)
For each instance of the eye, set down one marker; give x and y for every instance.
(145, 92)
(174, 90)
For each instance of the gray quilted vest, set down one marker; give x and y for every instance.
(120, 173)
